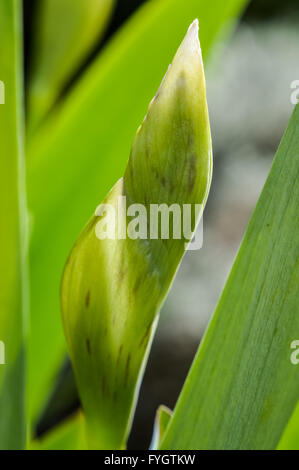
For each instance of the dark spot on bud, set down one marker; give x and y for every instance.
(103, 386)
(141, 279)
(87, 299)
(137, 285)
(156, 173)
(157, 94)
(119, 355)
(146, 334)
(192, 172)
(121, 274)
(127, 369)
(181, 81)
(190, 137)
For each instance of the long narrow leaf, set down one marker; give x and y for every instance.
(67, 436)
(290, 437)
(65, 31)
(13, 292)
(162, 419)
(243, 387)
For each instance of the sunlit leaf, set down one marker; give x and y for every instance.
(13, 292)
(67, 436)
(290, 437)
(65, 31)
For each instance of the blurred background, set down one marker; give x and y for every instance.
(248, 83)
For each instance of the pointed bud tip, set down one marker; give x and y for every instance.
(192, 35)
(194, 27)
(190, 45)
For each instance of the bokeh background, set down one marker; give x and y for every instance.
(248, 83)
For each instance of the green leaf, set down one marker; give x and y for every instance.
(67, 436)
(242, 387)
(163, 417)
(13, 293)
(290, 437)
(113, 287)
(65, 31)
(84, 149)
(63, 399)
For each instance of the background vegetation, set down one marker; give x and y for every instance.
(81, 114)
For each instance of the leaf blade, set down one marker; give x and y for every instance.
(69, 435)
(13, 236)
(163, 417)
(290, 437)
(233, 398)
(59, 47)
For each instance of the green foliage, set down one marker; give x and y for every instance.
(67, 436)
(243, 388)
(242, 391)
(113, 288)
(83, 149)
(290, 437)
(64, 33)
(13, 293)
(163, 417)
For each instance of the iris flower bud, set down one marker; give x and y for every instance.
(113, 287)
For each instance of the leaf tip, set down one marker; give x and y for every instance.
(192, 36)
